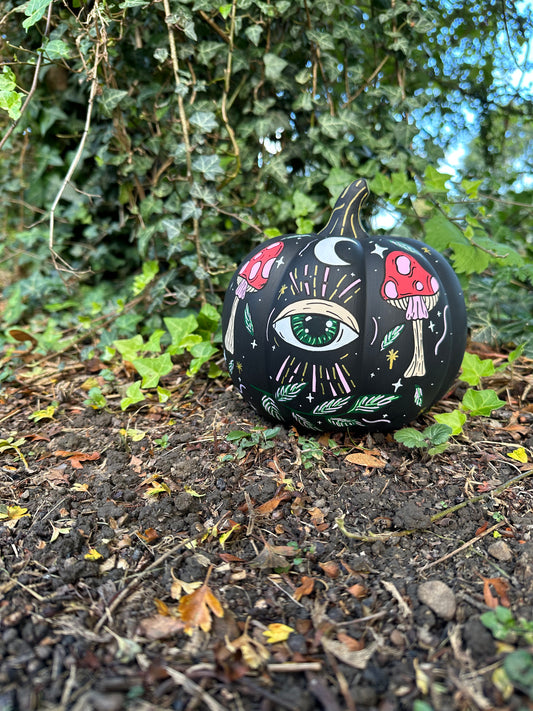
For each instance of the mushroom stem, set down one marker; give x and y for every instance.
(229, 338)
(417, 367)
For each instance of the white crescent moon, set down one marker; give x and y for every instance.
(325, 251)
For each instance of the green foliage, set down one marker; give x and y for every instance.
(95, 399)
(152, 359)
(260, 437)
(188, 131)
(434, 438)
(503, 625)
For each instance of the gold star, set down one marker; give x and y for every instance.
(282, 290)
(426, 250)
(392, 355)
(239, 366)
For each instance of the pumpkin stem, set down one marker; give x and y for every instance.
(345, 220)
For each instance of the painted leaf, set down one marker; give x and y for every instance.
(331, 405)
(371, 403)
(289, 392)
(305, 422)
(271, 407)
(248, 320)
(418, 396)
(391, 336)
(344, 422)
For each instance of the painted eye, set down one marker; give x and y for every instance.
(316, 324)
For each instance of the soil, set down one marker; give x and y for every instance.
(380, 559)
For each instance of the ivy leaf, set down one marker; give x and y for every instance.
(208, 165)
(56, 49)
(133, 395)
(152, 369)
(129, 347)
(205, 121)
(179, 329)
(10, 99)
(454, 419)
(201, 353)
(441, 233)
(111, 98)
(473, 368)
(34, 11)
(253, 33)
(481, 402)
(274, 66)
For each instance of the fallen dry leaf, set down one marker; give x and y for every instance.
(359, 591)
(501, 588)
(330, 568)
(253, 652)
(356, 659)
(76, 458)
(272, 557)
(272, 503)
(160, 627)
(306, 588)
(354, 645)
(365, 459)
(277, 632)
(195, 609)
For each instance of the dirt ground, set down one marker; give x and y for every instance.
(159, 563)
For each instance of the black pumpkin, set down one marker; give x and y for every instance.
(341, 329)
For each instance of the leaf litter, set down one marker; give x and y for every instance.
(288, 576)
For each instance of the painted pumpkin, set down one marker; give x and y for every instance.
(341, 329)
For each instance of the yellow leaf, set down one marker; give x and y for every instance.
(134, 435)
(181, 586)
(422, 679)
(79, 487)
(277, 632)
(46, 414)
(224, 537)
(92, 554)
(519, 454)
(192, 492)
(12, 513)
(158, 487)
(502, 682)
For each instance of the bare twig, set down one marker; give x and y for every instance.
(462, 548)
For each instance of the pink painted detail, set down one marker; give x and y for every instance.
(280, 371)
(350, 286)
(342, 378)
(390, 290)
(325, 283)
(313, 381)
(240, 291)
(416, 308)
(306, 286)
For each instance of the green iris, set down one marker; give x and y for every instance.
(314, 329)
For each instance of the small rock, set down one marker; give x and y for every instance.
(438, 597)
(106, 701)
(501, 551)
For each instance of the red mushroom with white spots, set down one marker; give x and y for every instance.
(252, 276)
(409, 287)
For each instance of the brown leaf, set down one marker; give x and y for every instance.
(195, 609)
(75, 458)
(160, 627)
(501, 587)
(482, 529)
(330, 568)
(359, 591)
(272, 557)
(149, 536)
(364, 459)
(272, 504)
(306, 588)
(22, 336)
(317, 516)
(354, 645)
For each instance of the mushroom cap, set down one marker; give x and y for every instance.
(405, 277)
(257, 269)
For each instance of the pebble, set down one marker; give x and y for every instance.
(438, 597)
(501, 551)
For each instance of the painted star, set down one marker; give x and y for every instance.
(379, 250)
(279, 262)
(431, 326)
(283, 290)
(426, 250)
(310, 398)
(254, 344)
(397, 384)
